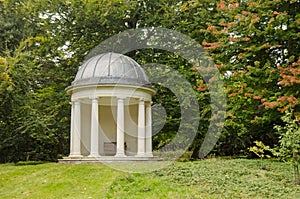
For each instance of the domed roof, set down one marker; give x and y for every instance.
(110, 68)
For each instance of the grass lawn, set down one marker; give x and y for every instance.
(211, 178)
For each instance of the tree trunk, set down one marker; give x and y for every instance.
(195, 154)
(296, 169)
(295, 174)
(298, 183)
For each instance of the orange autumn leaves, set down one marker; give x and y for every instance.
(290, 75)
(289, 78)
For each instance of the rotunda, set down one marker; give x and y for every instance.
(111, 101)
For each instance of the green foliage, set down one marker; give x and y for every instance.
(255, 44)
(289, 143)
(43, 45)
(260, 150)
(15, 92)
(289, 135)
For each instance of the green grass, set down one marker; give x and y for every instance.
(211, 178)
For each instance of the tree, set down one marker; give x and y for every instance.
(251, 43)
(39, 60)
(15, 93)
(289, 143)
(260, 150)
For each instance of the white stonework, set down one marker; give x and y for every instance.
(110, 111)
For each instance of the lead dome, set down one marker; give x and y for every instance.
(110, 68)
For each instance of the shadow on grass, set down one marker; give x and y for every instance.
(25, 163)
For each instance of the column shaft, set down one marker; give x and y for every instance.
(94, 129)
(120, 128)
(149, 130)
(72, 129)
(141, 129)
(76, 131)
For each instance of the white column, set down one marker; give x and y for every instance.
(149, 130)
(120, 128)
(72, 129)
(141, 129)
(94, 129)
(76, 131)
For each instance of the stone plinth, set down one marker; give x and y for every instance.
(79, 160)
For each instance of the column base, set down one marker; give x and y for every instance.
(140, 155)
(75, 156)
(94, 156)
(108, 159)
(120, 155)
(148, 155)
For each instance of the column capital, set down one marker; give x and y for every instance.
(148, 103)
(94, 97)
(94, 100)
(121, 98)
(142, 99)
(76, 102)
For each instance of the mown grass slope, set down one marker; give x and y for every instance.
(211, 178)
